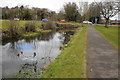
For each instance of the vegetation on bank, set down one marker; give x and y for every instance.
(71, 62)
(22, 29)
(18, 29)
(111, 34)
(21, 23)
(71, 23)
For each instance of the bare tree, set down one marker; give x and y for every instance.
(109, 9)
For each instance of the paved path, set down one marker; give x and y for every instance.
(102, 57)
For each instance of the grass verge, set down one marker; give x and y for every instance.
(71, 62)
(110, 34)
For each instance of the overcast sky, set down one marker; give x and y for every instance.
(54, 5)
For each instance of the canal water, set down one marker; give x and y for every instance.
(27, 57)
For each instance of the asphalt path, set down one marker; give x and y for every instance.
(102, 57)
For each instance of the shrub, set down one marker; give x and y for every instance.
(48, 25)
(13, 29)
(30, 27)
(67, 26)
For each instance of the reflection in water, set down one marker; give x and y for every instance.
(26, 67)
(32, 54)
(30, 63)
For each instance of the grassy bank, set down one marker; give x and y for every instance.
(110, 34)
(71, 62)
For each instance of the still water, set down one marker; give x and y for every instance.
(31, 54)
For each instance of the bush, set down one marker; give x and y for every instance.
(13, 29)
(48, 25)
(67, 26)
(30, 27)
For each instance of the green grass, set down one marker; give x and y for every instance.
(71, 62)
(32, 34)
(72, 23)
(110, 34)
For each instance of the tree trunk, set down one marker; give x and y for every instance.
(106, 23)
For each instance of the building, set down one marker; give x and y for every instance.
(115, 22)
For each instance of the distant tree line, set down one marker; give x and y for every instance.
(69, 12)
(25, 13)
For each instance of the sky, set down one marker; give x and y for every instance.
(54, 5)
